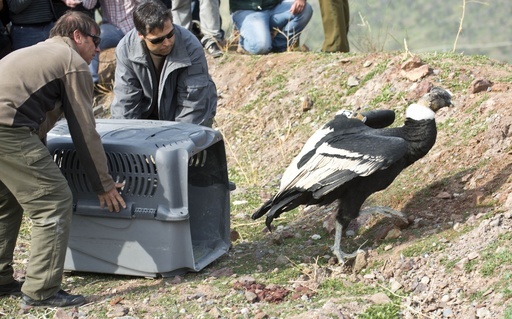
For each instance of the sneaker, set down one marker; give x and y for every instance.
(11, 289)
(59, 299)
(212, 47)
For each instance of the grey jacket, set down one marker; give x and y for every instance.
(186, 93)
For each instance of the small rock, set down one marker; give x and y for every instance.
(307, 103)
(61, 314)
(360, 263)
(495, 222)
(369, 276)
(444, 195)
(251, 296)
(234, 235)
(247, 280)
(394, 233)
(447, 313)
(460, 264)
(479, 85)
(417, 73)
(412, 63)
(473, 255)
(215, 312)
(260, 315)
(380, 298)
(395, 285)
(352, 81)
(421, 287)
(482, 312)
(282, 260)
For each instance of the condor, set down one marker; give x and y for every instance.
(352, 157)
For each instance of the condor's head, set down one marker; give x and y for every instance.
(436, 99)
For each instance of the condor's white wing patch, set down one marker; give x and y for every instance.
(341, 159)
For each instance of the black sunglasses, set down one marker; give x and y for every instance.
(95, 39)
(161, 39)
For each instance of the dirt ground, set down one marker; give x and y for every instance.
(467, 173)
(451, 261)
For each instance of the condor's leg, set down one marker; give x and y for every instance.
(336, 248)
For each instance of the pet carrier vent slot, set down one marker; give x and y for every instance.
(137, 171)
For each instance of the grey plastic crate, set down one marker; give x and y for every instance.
(177, 195)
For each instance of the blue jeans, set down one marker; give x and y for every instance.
(256, 27)
(110, 37)
(26, 35)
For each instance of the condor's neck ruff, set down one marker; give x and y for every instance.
(419, 112)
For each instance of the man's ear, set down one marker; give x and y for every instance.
(77, 37)
(140, 35)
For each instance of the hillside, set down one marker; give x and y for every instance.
(453, 260)
(425, 26)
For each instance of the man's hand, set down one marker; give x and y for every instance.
(112, 198)
(71, 3)
(298, 6)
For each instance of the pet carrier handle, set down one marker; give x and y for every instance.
(172, 166)
(93, 208)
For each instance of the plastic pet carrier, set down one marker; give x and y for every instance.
(176, 190)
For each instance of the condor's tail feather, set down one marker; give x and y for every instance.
(263, 209)
(278, 205)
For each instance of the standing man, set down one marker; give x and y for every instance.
(161, 71)
(38, 85)
(209, 22)
(31, 21)
(335, 19)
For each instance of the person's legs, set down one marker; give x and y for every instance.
(10, 221)
(290, 26)
(210, 26)
(31, 175)
(110, 37)
(254, 30)
(182, 13)
(335, 20)
(24, 36)
(209, 16)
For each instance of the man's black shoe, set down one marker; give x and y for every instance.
(59, 299)
(211, 46)
(214, 50)
(11, 289)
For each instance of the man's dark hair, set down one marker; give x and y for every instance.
(150, 15)
(71, 21)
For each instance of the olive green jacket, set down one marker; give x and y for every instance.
(39, 84)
